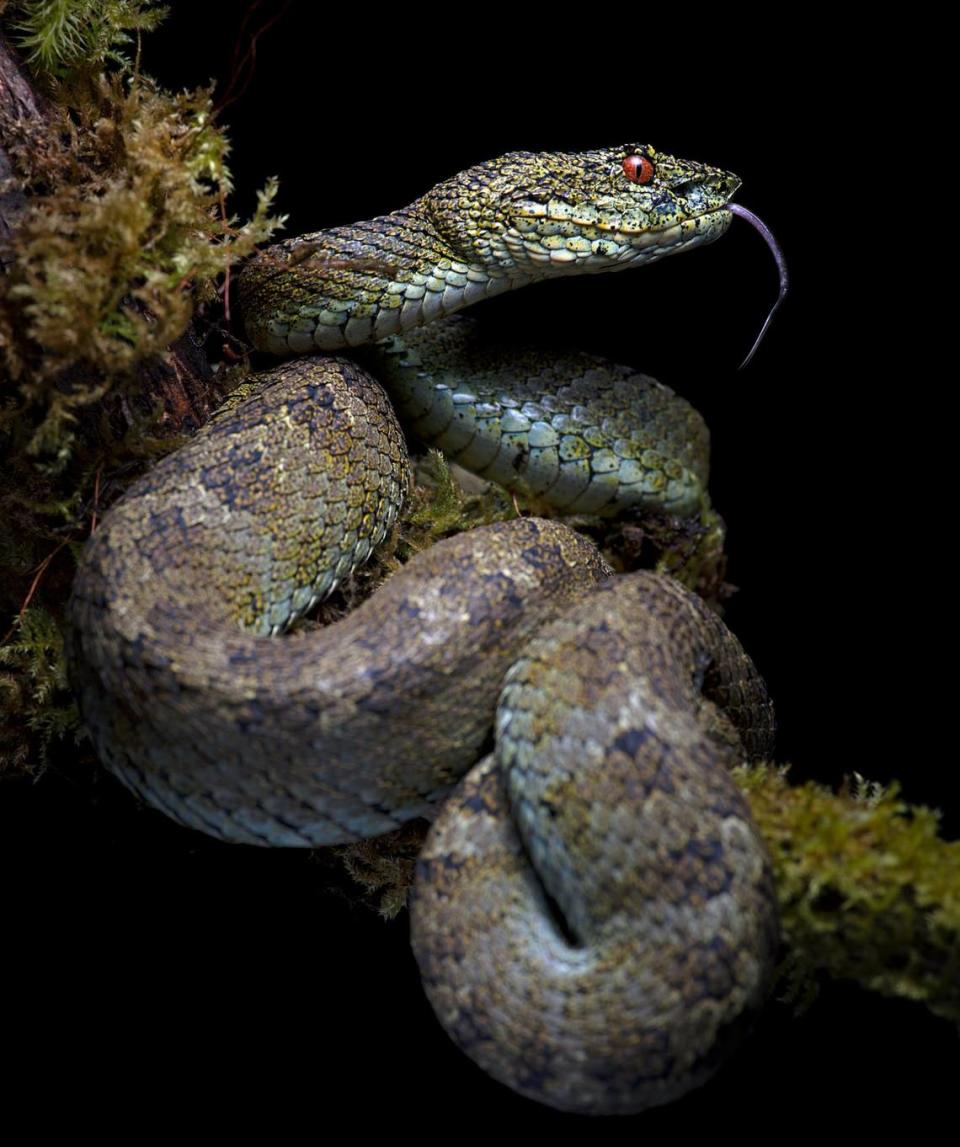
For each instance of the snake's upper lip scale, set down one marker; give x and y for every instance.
(678, 231)
(627, 232)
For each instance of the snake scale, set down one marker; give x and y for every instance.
(594, 916)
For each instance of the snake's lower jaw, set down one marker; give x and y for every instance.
(648, 247)
(705, 228)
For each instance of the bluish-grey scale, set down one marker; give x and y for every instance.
(576, 434)
(543, 466)
(569, 486)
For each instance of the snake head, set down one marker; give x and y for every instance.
(544, 214)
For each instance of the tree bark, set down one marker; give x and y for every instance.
(19, 102)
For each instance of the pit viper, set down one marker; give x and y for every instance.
(593, 916)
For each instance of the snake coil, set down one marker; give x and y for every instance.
(594, 915)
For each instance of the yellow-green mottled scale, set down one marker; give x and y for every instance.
(594, 915)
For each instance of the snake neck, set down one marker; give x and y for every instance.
(493, 227)
(349, 286)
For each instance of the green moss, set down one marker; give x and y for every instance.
(59, 35)
(384, 866)
(34, 694)
(868, 890)
(124, 232)
(441, 508)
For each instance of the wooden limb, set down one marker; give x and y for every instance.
(19, 101)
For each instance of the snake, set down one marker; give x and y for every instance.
(593, 914)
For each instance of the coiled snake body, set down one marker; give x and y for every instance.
(594, 914)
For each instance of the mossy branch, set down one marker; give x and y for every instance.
(125, 232)
(868, 890)
(117, 230)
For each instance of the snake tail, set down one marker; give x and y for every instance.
(598, 933)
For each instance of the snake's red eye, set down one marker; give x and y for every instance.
(638, 168)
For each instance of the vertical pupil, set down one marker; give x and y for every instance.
(638, 168)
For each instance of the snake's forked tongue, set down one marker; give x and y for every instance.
(756, 222)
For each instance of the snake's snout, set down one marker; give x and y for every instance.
(711, 183)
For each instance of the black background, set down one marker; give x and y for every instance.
(224, 978)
